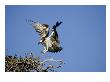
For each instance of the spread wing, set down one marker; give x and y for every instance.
(54, 38)
(54, 34)
(42, 29)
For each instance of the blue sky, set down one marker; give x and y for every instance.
(82, 34)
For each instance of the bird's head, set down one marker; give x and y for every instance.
(45, 25)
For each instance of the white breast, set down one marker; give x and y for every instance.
(48, 42)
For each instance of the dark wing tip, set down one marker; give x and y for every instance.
(57, 24)
(30, 22)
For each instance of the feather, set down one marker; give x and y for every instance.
(50, 42)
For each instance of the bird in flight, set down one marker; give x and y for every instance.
(49, 40)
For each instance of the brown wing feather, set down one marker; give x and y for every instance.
(42, 29)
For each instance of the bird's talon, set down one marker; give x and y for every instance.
(39, 43)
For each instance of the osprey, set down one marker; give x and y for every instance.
(50, 41)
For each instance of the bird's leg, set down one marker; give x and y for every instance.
(44, 51)
(40, 42)
(45, 48)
